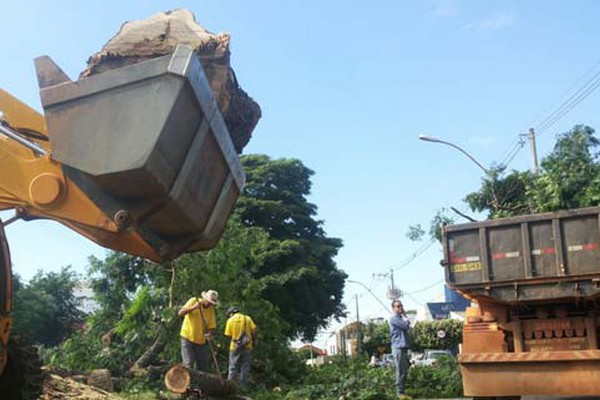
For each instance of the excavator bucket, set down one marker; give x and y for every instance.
(147, 143)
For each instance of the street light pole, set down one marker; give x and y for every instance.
(427, 138)
(369, 290)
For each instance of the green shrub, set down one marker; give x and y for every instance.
(424, 335)
(440, 380)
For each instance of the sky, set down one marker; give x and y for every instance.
(347, 87)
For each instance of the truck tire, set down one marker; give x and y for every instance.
(22, 377)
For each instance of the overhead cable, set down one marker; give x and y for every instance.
(562, 96)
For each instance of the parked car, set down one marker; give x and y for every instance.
(387, 360)
(429, 357)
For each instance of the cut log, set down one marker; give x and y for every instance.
(101, 379)
(179, 378)
(158, 35)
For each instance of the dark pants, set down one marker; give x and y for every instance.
(401, 361)
(239, 359)
(192, 353)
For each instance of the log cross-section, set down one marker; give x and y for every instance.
(179, 379)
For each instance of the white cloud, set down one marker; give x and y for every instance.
(492, 23)
(445, 10)
(483, 141)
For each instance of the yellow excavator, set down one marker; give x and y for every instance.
(137, 159)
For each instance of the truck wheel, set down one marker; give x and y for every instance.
(22, 377)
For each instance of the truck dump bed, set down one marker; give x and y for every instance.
(533, 258)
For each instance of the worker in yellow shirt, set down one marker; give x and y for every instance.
(199, 324)
(242, 330)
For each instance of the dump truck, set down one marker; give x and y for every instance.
(138, 159)
(534, 282)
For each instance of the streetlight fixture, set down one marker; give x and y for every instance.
(427, 138)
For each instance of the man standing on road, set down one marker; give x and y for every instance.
(242, 330)
(399, 325)
(199, 324)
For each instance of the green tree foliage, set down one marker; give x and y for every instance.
(297, 273)
(436, 225)
(137, 306)
(46, 309)
(274, 261)
(115, 281)
(441, 380)
(356, 380)
(503, 197)
(424, 335)
(569, 177)
(342, 380)
(376, 338)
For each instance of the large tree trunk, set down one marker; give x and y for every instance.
(158, 35)
(179, 378)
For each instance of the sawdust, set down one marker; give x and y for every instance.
(57, 387)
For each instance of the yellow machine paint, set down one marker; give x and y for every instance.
(146, 174)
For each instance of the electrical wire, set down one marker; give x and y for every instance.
(564, 94)
(511, 156)
(413, 256)
(516, 151)
(577, 96)
(514, 144)
(426, 288)
(568, 106)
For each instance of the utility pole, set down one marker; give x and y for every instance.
(358, 344)
(345, 338)
(534, 158)
(392, 292)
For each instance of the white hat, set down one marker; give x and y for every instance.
(212, 296)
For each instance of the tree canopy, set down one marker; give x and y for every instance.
(569, 177)
(46, 309)
(297, 273)
(274, 262)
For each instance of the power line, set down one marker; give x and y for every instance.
(572, 103)
(577, 96)
(426, 288)
(514, 144)
(563, 95)
(512, 156)
(414, 255)
(513, 153)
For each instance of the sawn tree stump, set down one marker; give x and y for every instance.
(179, 378)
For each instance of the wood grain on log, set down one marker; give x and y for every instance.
(179, 378)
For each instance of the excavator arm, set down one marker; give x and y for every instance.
(36, 187)
(137, 159)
